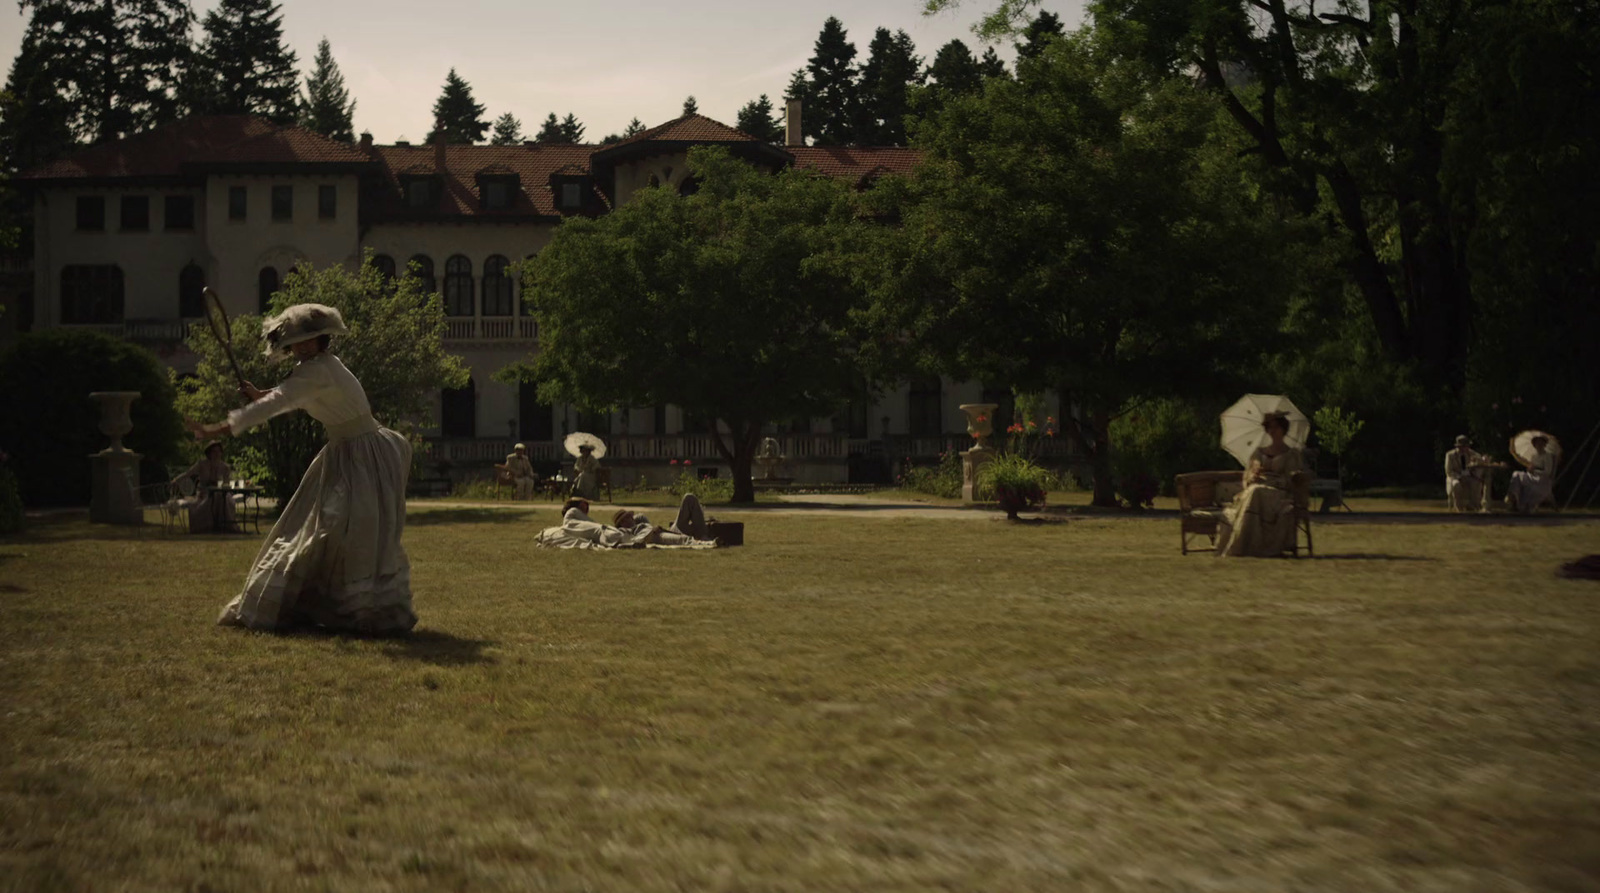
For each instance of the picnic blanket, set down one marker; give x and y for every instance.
(577, 531)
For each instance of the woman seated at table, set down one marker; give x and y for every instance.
(1260, 520)
(209, 510)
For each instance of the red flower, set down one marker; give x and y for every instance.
(983, 418)
(674, 461)
(687, 462)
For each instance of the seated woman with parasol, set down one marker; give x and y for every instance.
(586, 467)
(1260, 521)
(1538, 452)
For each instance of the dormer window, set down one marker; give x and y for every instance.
(571, 196)
(498, 189)
(421, 193)
(570, 189)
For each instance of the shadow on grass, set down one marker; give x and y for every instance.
(435, 517)
(1372, 556)
(439, 648)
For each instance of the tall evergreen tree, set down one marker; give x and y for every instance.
(242, 66)
(327, 107)
(891, 69)
(116, 64)
(571, 129)
(831, 111)
(456, 115)
(507, 131)
(1043, 29)
(954, 71)
(758, 120)
(635, 127)
(551, 133)
(690, 107)
(33, 116)
(990, 65)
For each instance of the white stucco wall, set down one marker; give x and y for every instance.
(243, 247)
(150, 260)
(669, 169)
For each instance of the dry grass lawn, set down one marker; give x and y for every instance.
(873, 705)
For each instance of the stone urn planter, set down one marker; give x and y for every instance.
(980, 422)
(115, 421)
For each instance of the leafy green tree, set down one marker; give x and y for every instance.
(758, 119)
(831, 92)
(690, 107)
(733, 303)
(891, 71)
(117, 64)
(242, 66)
(48, 424)
(457, 117)
(507, 131)
(1069, 231)
(395, 348)
(1335, 429)
(326, 106)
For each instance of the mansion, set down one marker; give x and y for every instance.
(126, 235)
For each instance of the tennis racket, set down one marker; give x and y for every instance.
(222, 330)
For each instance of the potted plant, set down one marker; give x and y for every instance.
(1017, 483)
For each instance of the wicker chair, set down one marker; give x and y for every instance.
(1203, 497)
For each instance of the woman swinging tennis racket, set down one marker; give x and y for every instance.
(334, 558)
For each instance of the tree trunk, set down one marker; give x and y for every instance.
(1105, 488)
(740, 456)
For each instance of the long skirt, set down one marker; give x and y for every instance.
(1528, 491)
(1259, 523)
(334, 557)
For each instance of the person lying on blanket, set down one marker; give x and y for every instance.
(579, 531)
(690, 525)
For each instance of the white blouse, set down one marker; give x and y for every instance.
(321, 386)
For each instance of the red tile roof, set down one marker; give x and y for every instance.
(859, 164)
(687, 129)
(290, 145)
(160, 152)
(533, 165)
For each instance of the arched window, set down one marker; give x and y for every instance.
(689, 186)
(384, 264)
(191, 292)
(91, 293)
(266, 284)
(535, 420)
(497, 291)
(655, 180)
(458, 411)
(421, 268)
(458, 286)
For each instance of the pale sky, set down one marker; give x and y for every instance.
(607, 61)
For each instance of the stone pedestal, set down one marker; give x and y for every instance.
(114, 474)
(115, 496)
(971, 461)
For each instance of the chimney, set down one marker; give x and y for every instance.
(438, 153)
(366, 141)
(792, 134)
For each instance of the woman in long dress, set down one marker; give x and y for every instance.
(209, 509)
(1530, 488)
(1260, 520)
(334, 558)
(586, 473)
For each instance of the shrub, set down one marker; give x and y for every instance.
(49, 426)
(943, 480)
(1160, 440)
(1018, 474)
(708, 490)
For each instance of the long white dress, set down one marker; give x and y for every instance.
(1529, 489)
(1260, 521)
(334, 557)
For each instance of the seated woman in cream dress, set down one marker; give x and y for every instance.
(1260, 520)
(1530, 488)
(334, 558)
(208, 509)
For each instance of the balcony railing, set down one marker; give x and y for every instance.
(140, 330)
(631, 448)
(491, 328)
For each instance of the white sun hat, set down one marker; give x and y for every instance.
(302, 322)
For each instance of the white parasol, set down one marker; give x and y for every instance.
(579, 438)
(1241, 424)
(1522, 446)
